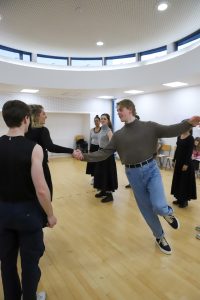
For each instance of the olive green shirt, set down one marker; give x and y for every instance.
(137, 141)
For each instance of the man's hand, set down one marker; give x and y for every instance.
(194, 121)
(77, 154)
(184, 168)
(52, 221)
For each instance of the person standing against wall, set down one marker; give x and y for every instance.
(23, 195)
(94, 145)
(183, 183)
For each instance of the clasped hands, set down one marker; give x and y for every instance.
(194, 121)
(77, 154)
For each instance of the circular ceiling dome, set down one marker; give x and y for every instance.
(73, 27)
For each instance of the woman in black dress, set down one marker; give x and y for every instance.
(94, 145)
(184, 183)
(40, 134)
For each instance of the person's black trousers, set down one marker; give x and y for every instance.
(20, 232)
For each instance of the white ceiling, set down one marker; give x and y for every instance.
(72, 28)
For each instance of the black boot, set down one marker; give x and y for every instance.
(108, 198)
(128, 186)
(101, 194)
(183, 204)
(176, 202)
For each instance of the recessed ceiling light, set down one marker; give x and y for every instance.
(134, 92)
(162, 6)
(175, 84)
(106, 97)
(29, 91)
(99, 43)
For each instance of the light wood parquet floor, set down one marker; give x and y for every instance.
(106, 251)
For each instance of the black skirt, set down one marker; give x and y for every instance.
(105, 175)
(184, 183)
(47, 176)
(91, 165)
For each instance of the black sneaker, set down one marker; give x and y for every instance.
(198, 236)
(163, 245)
(172, 221)
(101, 194)
(183, 205)
(128, 186)
(108, 198)
(175, 202)
(197, 228)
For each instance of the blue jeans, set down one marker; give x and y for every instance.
(147, 186)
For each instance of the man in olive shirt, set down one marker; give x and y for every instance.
(135, 143)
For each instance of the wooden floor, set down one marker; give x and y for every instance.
(107, 252)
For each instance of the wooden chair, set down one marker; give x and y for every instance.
(169, 159)
(197, 171)
(165, 152)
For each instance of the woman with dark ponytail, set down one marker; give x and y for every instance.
(94, 145)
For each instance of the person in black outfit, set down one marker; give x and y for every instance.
(38, 133)
(23, 195)
(94, 145)
(183, 183)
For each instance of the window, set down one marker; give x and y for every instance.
(189, 40)
(52, 60)
(120, 60)
(15, 54)
(86, 62)
(9, 54)
(154, 53)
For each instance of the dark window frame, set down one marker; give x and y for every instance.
(20, 52)
(64, 58)
(119, 57)
(191, 37)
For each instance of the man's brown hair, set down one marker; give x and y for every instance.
(128, 104)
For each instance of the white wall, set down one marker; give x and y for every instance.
(168, 107)
(65, 117)
(63, 127)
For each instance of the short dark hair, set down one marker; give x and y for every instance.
(96, 117)
(128, 104)
(14, 111)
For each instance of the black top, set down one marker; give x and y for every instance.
(15, 169)
(42, 137)
(184, 149)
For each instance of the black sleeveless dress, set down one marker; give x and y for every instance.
(42, 137)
